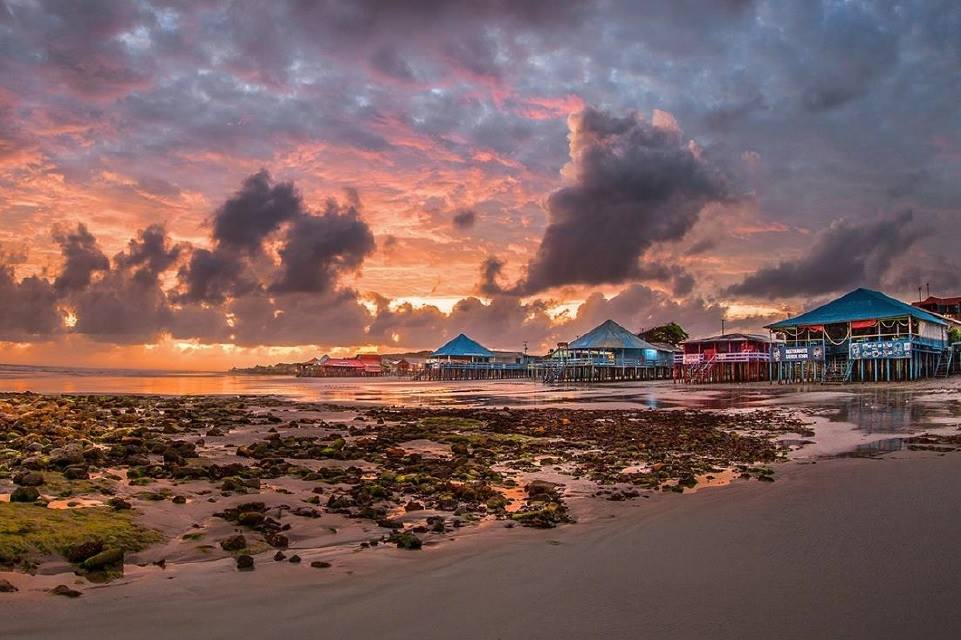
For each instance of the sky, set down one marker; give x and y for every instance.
(199, 185)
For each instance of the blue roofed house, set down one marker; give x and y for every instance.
(462, 349)
(864, 335)
(610, 343)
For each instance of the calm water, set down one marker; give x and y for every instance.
(846, 418)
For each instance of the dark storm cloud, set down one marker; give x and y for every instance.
(844, 256)
(464, 219)
(28, 308)
(634, 184)
(82, 258)
(320, 248)
(212, 276)
(254, 212)
(239, 230)
(120, 309)
(149, 255)
(843, 106)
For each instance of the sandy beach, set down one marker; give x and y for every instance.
(847, 548)
(656, 514)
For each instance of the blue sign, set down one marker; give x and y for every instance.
(881, 350)
(799, 353)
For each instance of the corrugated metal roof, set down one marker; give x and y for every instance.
(860, 304)
(730, 337)
(610, 335)
(463, 346)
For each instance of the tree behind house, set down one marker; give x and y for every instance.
(671, 333)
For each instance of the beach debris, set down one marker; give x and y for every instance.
(64, 590)
(6, 586)
(245, 563)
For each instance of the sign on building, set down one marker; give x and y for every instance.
(799, 353)
(884, 349)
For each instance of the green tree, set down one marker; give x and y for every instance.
(671, 333)
(954, 334)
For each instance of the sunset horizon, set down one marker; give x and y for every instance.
(174, 196)
(514, 319)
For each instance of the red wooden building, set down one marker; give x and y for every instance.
(732, 357)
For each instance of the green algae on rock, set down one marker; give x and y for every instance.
(28, 532)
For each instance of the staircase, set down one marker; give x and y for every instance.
(943, 370)
(838, 372)
(701, 372)
(553, 374)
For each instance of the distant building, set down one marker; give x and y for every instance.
(862, 336)
(462, 349)
(950, 307)
(730, 357)
(508, 357)
(363, 365)
(608, 352)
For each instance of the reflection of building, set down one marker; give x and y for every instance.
(950, 307)
(732, 357)
(864, 335)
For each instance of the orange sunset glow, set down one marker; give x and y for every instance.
(200, 186)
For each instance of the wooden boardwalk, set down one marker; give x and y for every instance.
(582, 370)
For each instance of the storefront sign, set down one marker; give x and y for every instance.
(881, 350)
(799, 353)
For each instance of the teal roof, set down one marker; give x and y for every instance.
(464, 346)
(610, 335)
(860, 304)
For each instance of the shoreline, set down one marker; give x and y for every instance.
(731, 563)
(645, 527)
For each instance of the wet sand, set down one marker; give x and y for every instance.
(845, 548)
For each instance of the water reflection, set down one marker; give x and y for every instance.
(872, 410)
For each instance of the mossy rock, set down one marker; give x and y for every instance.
(406, 541)
(28, 533)
(451, 423)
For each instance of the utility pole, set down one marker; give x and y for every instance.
(928, 285)
(722, 326)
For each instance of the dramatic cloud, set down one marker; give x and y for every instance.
(633, 184)
(140, 118)
(149, 255)
(82, 258)
(28, 308)
(254, 212)
(844, 256)
(319, 249)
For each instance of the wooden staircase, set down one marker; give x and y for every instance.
(943, 370)
(553, 374)
(701, 372)
(837, 372)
